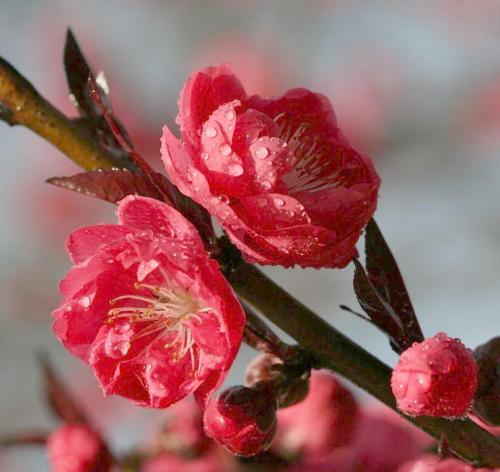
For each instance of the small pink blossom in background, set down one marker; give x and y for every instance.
(76, 448)
(431, 463)
(169, 462)
(277, 173)
(146, 307)
(365, 92)
(324, 421)
(261, 70)
(242, 419)
(437, 377)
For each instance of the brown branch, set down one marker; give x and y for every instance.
(21, 104)
(334, 351)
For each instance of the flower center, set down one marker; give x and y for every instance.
(163, 310)
(317, 161)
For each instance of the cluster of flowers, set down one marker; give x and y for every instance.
(147, 308)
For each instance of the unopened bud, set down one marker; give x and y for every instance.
(242, 419)
(437, 377)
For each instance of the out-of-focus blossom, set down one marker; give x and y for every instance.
(170, 462)
(76, 448)
(437, 377)
(365, 91)
(242, 419)
(325, 420)
(429, 463)
(258, 68)
(383, 441)
(278, 174)
(146, 307)
(183, 429)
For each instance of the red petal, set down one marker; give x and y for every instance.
(204, 92)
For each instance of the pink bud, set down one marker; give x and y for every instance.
(437, 377)
(242, 419)
(76, 448)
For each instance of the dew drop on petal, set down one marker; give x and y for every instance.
(279, 202)
(262, 152)
(225, 149)
(85, 302)
(224, 198)
(229, 115)
(204, 156)
(266, 185)
(235, 169)
(210, 132)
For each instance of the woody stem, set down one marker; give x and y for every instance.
(334, 351)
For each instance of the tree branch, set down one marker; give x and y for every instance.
(21, 104)
(334, 351)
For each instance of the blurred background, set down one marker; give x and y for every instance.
(416, 85)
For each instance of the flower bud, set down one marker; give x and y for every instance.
(437, 377)
(76, 448)
(487, 398)
(242, 419)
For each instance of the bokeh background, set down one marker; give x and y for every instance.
(415, 84)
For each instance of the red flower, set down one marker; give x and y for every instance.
(325, 420)
(76, 448)
(437, 377)
(278, 174)
(242, 419)
(146, 307)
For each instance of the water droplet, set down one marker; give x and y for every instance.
(266, 185)
(225, 149)
(204, 156)
(85, 301)
(224, 198)
(210, 132)
(229, 115)
(279, 202)
(235, 169)
(261, 152)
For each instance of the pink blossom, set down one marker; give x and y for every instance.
(76, 448)
(437, 377)
(146, 307)
(277, 173)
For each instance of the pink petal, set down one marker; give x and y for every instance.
(84, 242)
(204, 92)
(145, 213)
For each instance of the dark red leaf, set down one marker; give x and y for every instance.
(385, 276)
(110, 185)
(379, 311)
(59, 397)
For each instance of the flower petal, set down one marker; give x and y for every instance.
(145, 213)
